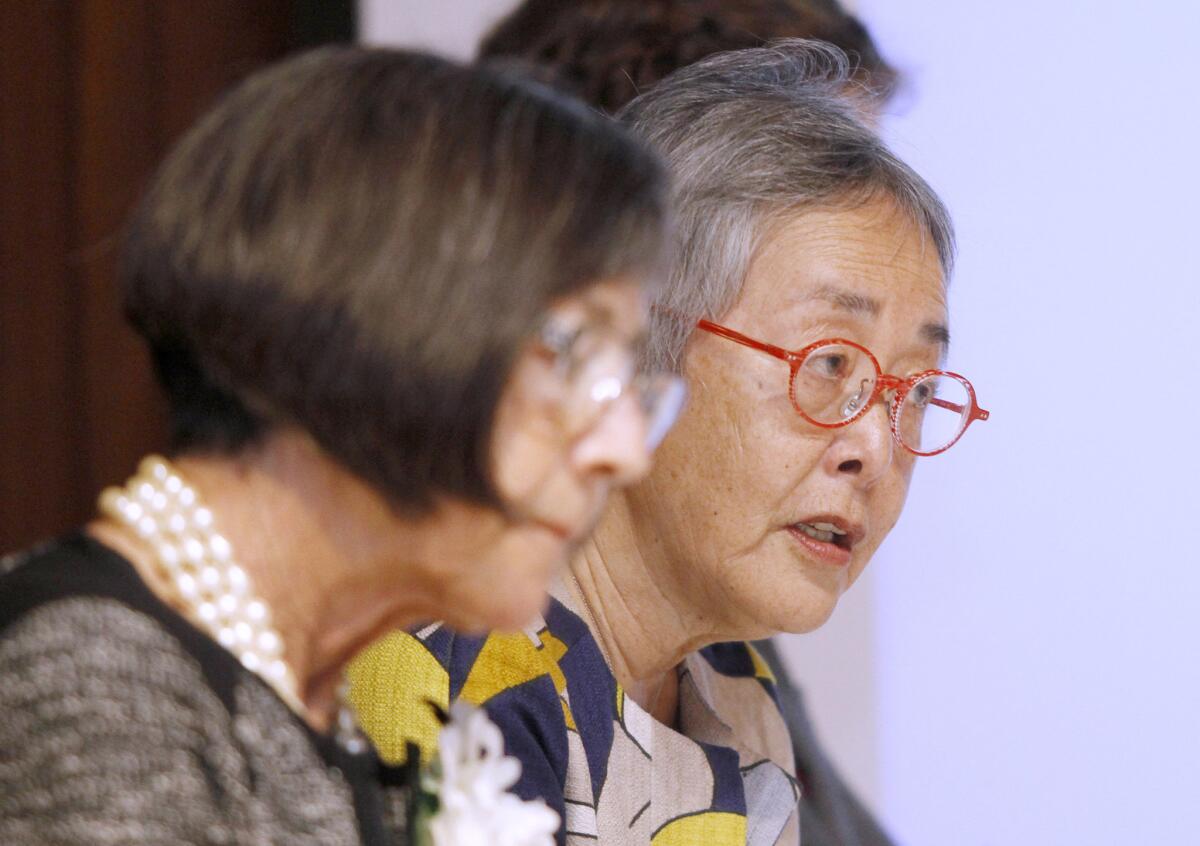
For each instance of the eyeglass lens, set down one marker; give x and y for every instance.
(600, 371)
(663, 397)
(933, 413)
(835, 382)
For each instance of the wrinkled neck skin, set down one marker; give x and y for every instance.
(641, 610)
(308, 534)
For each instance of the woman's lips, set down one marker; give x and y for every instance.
(824, 552)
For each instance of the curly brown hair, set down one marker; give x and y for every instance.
(607, 51)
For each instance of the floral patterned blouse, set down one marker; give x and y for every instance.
(725, 776)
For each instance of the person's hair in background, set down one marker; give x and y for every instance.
(744, 155)
(608, 51)
(277, 285)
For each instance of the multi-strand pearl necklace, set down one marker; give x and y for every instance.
(215, 592)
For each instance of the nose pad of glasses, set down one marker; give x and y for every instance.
(855, 402)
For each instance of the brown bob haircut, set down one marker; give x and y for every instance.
(608, 51)
(359, 243)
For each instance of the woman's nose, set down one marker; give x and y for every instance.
(865, 448)
(615, 447)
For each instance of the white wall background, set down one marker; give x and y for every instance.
(1021, 665)
(449, 27)
(1039, 606)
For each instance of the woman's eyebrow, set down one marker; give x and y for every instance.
(845, 300)
(936, 333)
(860, 304)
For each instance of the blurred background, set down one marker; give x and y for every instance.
(1019, 664)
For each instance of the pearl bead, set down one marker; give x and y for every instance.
(276, 671)
(220, 548)
(244, 632)
(145, 492)
(256, 612)
(158, 502)
(146, 527)
(237, 580)
(202, 518)
(269, 643)
(187, 497)
(193, 549)
(173, 484)
(168, 556)
(131, 511)
(207, 612)
(177, 523)
(210, 579)
(188, 588)
(227, 637)
(227, 605)
(251, 662)
(154, 467)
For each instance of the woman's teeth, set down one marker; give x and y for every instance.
(824, 532)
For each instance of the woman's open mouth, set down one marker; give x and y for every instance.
(827, 540)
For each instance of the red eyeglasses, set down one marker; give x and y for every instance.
(834, 382)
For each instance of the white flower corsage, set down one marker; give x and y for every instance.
(464, 797)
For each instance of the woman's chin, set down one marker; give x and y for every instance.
(508, 610)
(807, 621)
(803, 611)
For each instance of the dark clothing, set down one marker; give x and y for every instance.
(830, 814)
(121, 723)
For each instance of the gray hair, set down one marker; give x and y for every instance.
(752, 137)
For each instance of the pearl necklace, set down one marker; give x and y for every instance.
(217, 594)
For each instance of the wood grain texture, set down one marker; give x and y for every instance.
(92, 94)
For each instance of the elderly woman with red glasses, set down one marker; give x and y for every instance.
(806, 310)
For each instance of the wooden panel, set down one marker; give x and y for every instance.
(204, 61)
(39, 350)
(117, 145)
(92, 93)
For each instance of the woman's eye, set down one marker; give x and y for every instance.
(830, 365)
(923, 393)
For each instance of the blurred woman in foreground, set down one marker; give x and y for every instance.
(394, 304)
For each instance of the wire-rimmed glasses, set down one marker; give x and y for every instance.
(834, 382)
(598, 368)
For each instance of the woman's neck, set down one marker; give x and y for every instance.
(274, 506)
(637, 611)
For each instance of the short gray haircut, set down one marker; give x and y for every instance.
(753, 137)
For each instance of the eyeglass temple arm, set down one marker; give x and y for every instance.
(739, 338)
(977, 413)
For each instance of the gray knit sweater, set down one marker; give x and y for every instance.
(120, 723)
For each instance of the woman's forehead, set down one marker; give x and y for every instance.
(864, 266)
(851, 241)
(617, 303)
